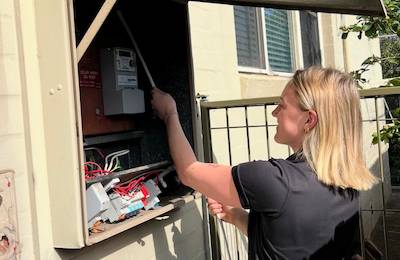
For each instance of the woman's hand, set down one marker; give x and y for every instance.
(163, 104)
(222, 212)
(235, 216)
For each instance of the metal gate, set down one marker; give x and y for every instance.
(237, 131)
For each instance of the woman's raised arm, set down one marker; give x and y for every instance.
(212, 180)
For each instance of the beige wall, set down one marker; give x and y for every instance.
(15, 139)
(26, 75)
(214, 52)
(175, 236)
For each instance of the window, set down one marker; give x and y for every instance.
(310, 38)
(248, 37)
(278, 40)
(265, 40)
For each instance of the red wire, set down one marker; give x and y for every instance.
(126, 188)
(93, 163)
(90, 174)
(97, 171)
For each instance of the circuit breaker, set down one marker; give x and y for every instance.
(121, 94)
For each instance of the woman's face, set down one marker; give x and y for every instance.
(291, 120)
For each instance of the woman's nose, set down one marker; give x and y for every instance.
(275, 112)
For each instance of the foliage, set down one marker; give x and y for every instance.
(390, 66)
(388, 29)
(388, 134)
(373, 27)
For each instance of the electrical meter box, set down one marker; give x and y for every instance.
(119, 174)
(121, 94)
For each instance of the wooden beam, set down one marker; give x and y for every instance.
(94, 27)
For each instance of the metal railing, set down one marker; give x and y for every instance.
(227, 244)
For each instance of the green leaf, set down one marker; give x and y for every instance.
(370, 60)
(356, 28)
(344, 35)
(396, 113)
(370, 33)
(367, 26)
(394, 82)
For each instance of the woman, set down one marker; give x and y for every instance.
(304, 207)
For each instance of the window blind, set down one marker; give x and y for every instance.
(278, 40)
(247, 37)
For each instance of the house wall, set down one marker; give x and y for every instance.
(26, 41)
(15, 135)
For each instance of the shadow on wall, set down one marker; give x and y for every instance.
(176, 235)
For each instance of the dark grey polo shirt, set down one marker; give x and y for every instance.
(292, 214)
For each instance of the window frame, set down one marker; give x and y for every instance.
(295, 45)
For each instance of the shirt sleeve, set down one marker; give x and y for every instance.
(261, 185)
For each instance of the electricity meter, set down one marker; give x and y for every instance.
(121, 94)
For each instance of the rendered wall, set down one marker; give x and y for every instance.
(14, 134)
(179, 235)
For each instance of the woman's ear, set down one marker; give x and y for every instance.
(312, 119)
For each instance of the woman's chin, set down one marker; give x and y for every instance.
(279, 140)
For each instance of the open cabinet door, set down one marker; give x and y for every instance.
(360, 7)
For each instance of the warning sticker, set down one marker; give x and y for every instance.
(126, 81)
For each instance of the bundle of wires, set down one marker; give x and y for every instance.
(94, 171)
(129, 188)
(111, 164)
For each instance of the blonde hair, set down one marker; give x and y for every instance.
(333, 148)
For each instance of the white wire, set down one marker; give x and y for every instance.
(115, 157)
(112, 154)
(162, 175)
(110, 165)
(115, 167)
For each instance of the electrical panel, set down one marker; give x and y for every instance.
(121, 94)
(128, 176)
